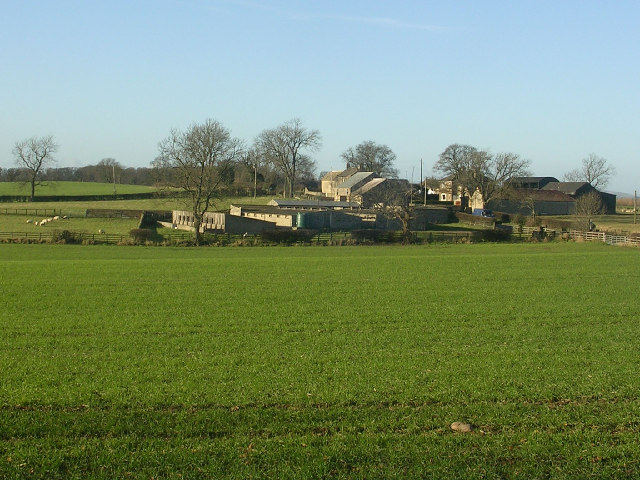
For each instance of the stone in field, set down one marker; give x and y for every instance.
(462, 427)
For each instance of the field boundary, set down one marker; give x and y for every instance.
(604, 237)
(31, 211)
(227, 238)
(321, 238)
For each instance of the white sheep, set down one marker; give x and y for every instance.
(100, 230)
(43, 221)
(57, 217)
(64, 217)
(30, 221)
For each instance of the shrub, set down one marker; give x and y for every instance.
(287, 236)
(141, 235)
(497, 235)
(558, 224)
(65, 236)
(520, 220)
(502, 217)
(376, 236)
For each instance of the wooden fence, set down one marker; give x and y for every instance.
(604, 237)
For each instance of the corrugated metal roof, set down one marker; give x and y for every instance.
(531, 179)
(293, 203)
(546, 195)
(570, 188)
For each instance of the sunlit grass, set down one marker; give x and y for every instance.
(47, 188)
(320, 361)
(79, 208)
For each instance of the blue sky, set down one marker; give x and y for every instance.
(552, 81)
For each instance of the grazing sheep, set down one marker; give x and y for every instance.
(64, 217)
(43, 221)
(30, 221)
(100, 230)
(57, 217)
(36, 223)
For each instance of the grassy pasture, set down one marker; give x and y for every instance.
(71, 188)
(79, 208)
(347, 362)
(18, 223)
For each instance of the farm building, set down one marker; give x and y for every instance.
(366, 189)
(337, 219)
(329, 183)
(344, 191)
(312, 204)
(530, 182)
(543, 202)
(577, 189)
(220, 222)
(545, 195)
(449, 191)
(300, 218)
(382, 191)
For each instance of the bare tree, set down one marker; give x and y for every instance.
(392, 199)
(475, 169)
(588, 206)
(284, 145)
(111, 169)
(595, 170)
(196, 161)
(368, 156)
(34, 154)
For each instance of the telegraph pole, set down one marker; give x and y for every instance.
(424, 183)
(635, 206)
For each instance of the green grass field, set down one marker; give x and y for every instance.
(78, 208)
(71, 188)
(319, 362)
(18, 223)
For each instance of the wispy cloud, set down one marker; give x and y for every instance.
(389, 23)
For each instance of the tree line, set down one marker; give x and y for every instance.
(279, 161)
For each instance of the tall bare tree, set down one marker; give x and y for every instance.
(588, 206)
(196, 161)
(594, 170)
(368, 156)
(480, 170)
(392, 199)
(284, 145)
(34, 154)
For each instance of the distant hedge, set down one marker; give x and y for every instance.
(88, 198)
